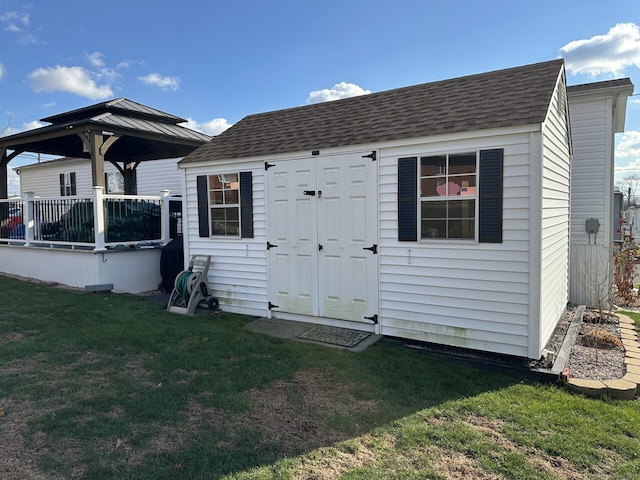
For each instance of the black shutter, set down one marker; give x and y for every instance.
(407, 199)
(202, 188)
(490, 195)
(246, 205)
(73, 183)
(62, 192)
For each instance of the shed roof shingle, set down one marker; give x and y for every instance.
(512, 97)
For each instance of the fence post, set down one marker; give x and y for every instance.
(28, 218)
(98, 218)
(165, 214)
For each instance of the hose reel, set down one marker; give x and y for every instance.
(191, 288)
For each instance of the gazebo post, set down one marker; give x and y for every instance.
(4, 177)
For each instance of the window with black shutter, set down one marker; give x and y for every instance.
(225, 205)
(459, 195)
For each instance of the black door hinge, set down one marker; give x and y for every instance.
(373, 248)
(268, 165)
(270, 245)
(373, 318)
(272, 306)
(373, 156)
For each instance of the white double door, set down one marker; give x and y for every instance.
(322, 235)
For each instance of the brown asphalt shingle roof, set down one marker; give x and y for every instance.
(503, 98)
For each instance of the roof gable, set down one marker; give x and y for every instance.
(512, 97)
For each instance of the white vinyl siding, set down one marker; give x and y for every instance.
(591, 132)
(591, 195)
(153, 176)
(554, 259)
(470, 295)
(238, 272)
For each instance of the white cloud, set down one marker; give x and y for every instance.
(604, 54)
(165, 83)
(32, 125)
(338, 91)
(629, 145)
(14, 21)
(212, 127)
(95, 59)
(1, 71)
(74, 80)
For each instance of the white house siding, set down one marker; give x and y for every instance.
(465, 294)
(555, 193)
(591, 177)
(43, 179)
(156, 175)
(238, 271)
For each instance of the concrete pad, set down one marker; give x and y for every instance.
(621, 389)
(291, 330)
(591, 388)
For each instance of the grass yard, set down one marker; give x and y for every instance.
(113, 387)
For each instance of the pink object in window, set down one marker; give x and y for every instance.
(454, 189)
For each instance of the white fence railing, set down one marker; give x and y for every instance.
(98, 223)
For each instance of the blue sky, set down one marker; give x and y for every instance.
(215, 62)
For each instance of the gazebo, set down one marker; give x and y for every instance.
(101, 241)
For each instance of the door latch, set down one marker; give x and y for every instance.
(319, 246)
(310, 192)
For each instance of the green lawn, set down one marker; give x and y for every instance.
(112, 386)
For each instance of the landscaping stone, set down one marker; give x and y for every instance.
(621, 389)
(591, 388)
(632, 377)
(635, 369)
(632, 361)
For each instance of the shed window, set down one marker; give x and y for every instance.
(448, 196)
(225, 205)
(455, 196)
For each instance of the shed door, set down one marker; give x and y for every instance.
(322, 218)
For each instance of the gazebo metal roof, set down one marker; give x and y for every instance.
(119, 131)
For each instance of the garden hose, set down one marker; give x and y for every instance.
(182, 283)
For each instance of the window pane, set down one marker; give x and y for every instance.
(462, 163)
(217, 214)
(231, 197)
(430, 166)
(429, 186)
(461, 228)
(233, 228)
(214, 182)
(216, 197)
(433, 229)
(467, 184)
(434, 210)
(462, 209)
(232, 213)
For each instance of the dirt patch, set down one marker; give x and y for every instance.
(295, 414)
